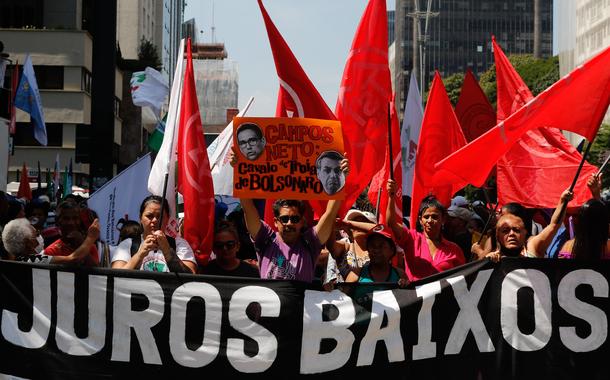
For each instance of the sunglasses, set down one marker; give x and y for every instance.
(285, 218)
(228, 245)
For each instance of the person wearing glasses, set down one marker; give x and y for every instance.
(250, 140)
(291, 252)
(226, 245)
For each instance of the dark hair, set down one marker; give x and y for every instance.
(154, 199)
(129, 229)
(68, 204)
(277, 205)
(517, 209)
(226, 226)
(591, 231)
(426, 203)
(333, 155)
(252, 127)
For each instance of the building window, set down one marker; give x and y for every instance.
(85, 83)
(24, 134)
(49, 77)
(117, 107)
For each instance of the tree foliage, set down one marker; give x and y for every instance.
(148, 54)
(538, 74)
(453, 85)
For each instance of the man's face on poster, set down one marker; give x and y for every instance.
(330, 174)
(250, 143)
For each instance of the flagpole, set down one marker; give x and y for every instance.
(177, 103)
(390, 142)
(378, 203)
(564, 204)
(601, 168)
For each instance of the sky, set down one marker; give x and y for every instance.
(319, 33)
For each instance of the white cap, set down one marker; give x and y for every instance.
(351, 214)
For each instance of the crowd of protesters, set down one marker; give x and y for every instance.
(330, 250)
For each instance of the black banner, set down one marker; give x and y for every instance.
(521, 318)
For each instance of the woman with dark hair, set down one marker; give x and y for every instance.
(426, 251)
(155, 251)
(590, 234)
(226, 245)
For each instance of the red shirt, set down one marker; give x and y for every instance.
(418, 260)
(59, 248)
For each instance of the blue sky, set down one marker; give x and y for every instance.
(319, 32)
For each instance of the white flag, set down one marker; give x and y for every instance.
(219, 153)
(409, 134)
(166, 157)
(149, 88)
(120, 198)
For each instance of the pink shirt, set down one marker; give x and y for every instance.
(418, 260)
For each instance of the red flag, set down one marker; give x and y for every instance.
(194, 176)
(380, 179)
(440, 136)
(297, 96)
(24, 191)
(538, 168)
(364, 94)
(473, 110)
(576, 103)
(14, 84)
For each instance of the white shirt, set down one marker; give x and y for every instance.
(154, 261)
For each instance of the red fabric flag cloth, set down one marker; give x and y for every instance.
(297, 95)
(541, 165)
(440, 136)
(575, 103)
(473, 110)
(194, 175)
(361, 106)
(25, 191)
(380, 179)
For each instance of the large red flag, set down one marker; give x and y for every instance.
(194, 175)
(473, 110)
(576, 103)
(379, 180)
(440, 136)
(25, 191)
(536, 170)
(297, 96)
(364, 94)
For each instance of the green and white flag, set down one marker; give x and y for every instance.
(156, 139)
(149, 88)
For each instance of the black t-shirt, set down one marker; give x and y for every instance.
(243, 270)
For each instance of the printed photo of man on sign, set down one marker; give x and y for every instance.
(295, 158)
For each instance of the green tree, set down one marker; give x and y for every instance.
(538, 74)
(148, 54)
(453, 85)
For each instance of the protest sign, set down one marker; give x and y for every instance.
(120, 198)
(296, 158)
(518, 319)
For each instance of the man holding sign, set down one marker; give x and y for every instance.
(300, 159)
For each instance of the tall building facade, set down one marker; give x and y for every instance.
(73, 54)
(583, 31)
(217, 85)
(173, 16)
(139, 20)
(459, 36)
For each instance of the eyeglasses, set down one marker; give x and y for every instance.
(285, 218)
(228, 245)
(251, 142)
